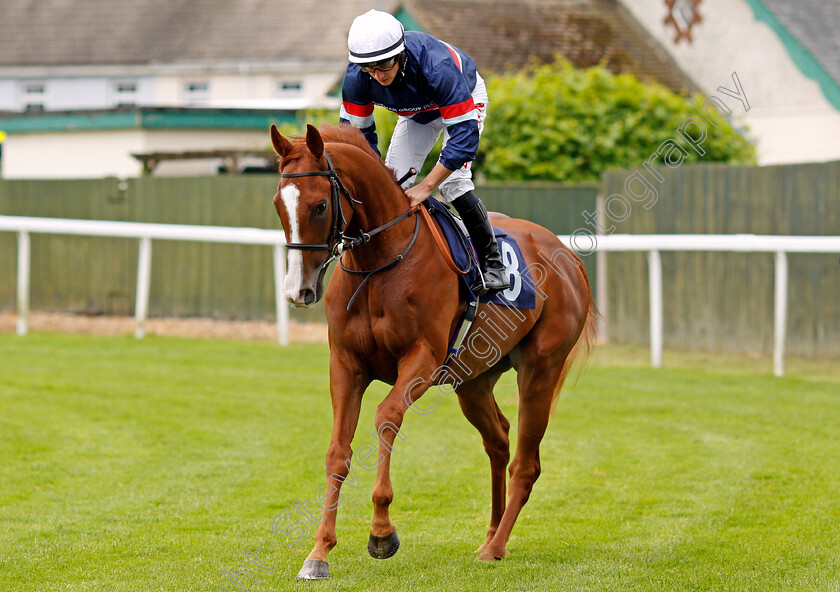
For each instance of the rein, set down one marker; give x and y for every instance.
(338, 242)
(392, 263)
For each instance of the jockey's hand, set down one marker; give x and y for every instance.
(421, 192)
(417, 194)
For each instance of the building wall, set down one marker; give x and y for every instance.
(291, 89)
(807, 134)
(96, 154)
(789, 117)
(8, 96)
(72, 155)
(64, 93)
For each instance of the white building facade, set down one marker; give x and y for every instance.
(794, 98)
(244, 85)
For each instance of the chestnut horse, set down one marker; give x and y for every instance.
(336, 199)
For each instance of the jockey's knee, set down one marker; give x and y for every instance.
(458, 183)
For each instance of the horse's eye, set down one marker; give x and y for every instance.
(320, 208)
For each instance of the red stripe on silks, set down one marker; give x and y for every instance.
(358, 110)
(455, 56)
(451, 111)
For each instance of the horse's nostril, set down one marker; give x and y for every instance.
(308, 296)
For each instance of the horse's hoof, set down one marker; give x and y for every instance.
(314, 569)
(484, 545)
(385, 546)
(489, 557)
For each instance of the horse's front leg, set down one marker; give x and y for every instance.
(413, 380)
(347, 384)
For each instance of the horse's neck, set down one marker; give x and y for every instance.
(382, 201)
(381, 198)
(381, 204)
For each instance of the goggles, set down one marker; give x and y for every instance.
(380, 66)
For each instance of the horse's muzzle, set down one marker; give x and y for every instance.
(302, 294)
(304, 298)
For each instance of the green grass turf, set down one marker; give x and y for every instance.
(157, 464)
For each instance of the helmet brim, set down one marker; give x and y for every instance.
(376, 57)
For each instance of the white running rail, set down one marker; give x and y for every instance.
(652, 244)
(145, 233)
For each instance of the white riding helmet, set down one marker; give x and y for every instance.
(375, 36)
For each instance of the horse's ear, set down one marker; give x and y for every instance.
(314, 141)
(281, 145)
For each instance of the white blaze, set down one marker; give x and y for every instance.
(294, 271)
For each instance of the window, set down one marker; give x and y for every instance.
(34, 96)
(124, 93)
(197, 91)
(289, 88)
(198, 87)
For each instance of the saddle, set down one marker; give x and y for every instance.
(464, 260)
(521, 293)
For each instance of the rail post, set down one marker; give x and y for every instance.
(655, 278)
(780, 317)
(281, 307)
(144, 280)
(23, 274)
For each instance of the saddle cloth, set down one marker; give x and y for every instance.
(521, 293)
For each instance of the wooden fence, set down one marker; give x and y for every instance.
(720, 301)
(98, 275)
(713, 301)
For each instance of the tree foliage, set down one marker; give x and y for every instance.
(555, 122)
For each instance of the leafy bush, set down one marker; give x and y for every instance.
(555, 122)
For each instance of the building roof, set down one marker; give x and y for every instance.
(816, 25)
(502, 35)
(106, 32)
(499, 34)
(809, 29)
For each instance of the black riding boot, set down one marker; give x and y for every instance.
(474, 215)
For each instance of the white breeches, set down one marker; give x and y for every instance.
(412, 142)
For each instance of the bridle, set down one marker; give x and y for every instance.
(338, 242)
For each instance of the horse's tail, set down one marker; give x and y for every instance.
(582, 348)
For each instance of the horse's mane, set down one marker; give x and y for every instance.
(341, 134)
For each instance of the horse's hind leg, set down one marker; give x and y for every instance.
(480, 408)
(538, 377)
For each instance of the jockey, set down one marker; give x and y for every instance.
(433, 87)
